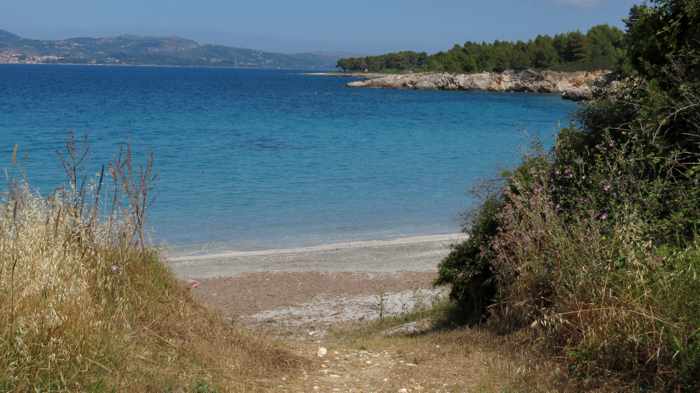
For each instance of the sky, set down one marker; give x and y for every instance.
(291, 26)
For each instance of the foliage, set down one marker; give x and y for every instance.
(597, 244)
(597, 288)
(665, 38)
(468, 267)
(600, 48)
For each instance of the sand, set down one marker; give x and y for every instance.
(313, 288)
(409, 254)
(252, 293)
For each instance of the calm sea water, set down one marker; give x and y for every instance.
(253, 159)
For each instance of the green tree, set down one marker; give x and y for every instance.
(605, 45)
(561, 43)
(520, 56)
(664, 41)
(575, 50)
(601, 47)
(544, 54)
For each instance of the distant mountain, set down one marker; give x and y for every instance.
(137, 50)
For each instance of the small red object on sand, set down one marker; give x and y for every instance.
(193, 284)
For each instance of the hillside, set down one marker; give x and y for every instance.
(138, 50)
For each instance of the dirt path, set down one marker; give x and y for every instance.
(333, 320)
(320, 314)
(362, 331)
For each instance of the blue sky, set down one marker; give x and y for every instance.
(359, 26)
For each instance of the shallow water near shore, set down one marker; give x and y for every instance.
(256, 159)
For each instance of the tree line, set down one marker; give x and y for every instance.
(601, 47)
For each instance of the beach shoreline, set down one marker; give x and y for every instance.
(414, 253)
(576, 85)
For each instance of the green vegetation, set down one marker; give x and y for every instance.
(600, 48)
(595, 245)
(87, 307)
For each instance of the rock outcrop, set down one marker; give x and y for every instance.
(571, 85)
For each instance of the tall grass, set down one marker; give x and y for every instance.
(87, 305)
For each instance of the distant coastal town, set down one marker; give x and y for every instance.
(11, 57)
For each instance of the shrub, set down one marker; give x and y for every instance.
(468, 267)
(598, 290)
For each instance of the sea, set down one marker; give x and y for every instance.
(259, 159)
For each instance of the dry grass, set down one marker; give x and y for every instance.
(439, 360)
(87, 306)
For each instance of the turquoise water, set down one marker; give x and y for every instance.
(254, 159)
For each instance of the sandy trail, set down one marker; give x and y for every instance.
(317, 287)
(304, 295)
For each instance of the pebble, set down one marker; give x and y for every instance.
(322, 351)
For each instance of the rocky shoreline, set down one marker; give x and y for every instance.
(576, 86)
